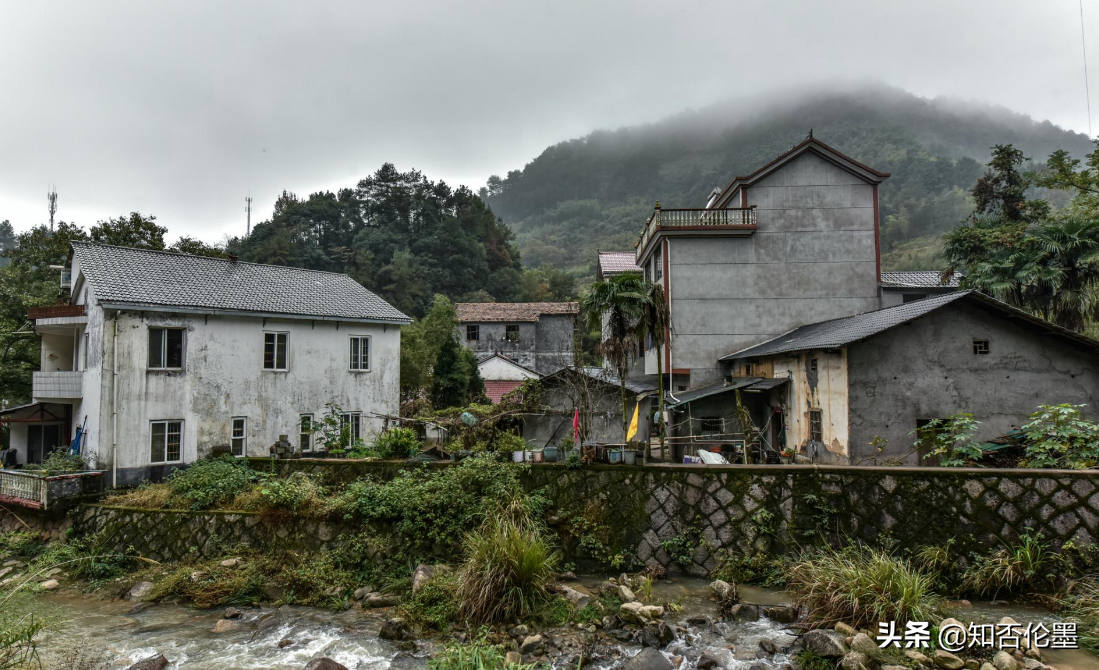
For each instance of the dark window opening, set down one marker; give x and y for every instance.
(980, 347)
(712, 425)
(305, 433)
(748, 369)
(274, 351)
(816, 425)
(164, 444)
(511, 333)
(165, 348)
(812, 365)
(473, 333)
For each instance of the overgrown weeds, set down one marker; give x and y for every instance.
(862, 586)
(754, 568)
(435, 604)
(509, 564)
(397, 443)
(1010, 568)
(211, 481)
(477, 654)
(1080, 603)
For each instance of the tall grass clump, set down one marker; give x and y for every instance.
(509, 565)
(1012, 567)
(210, 481)
(862, 586)
(397, 443)
(477, 654)
(1080, 603)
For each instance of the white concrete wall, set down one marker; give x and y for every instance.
(496, 369)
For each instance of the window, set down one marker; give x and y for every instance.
(360, 353)
(305, 432)
(473, 332)
(812, 365)
(165, 348)
(511, 333)
(238, 440)
(84, 362)
(816, 425)
(747, 369)
(980, 347)
(658, 264)
(712, 425)
(164, 443)
(355, 421)
(274, 351)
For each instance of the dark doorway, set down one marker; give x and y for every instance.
(41, 440)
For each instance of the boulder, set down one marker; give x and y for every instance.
(972, 664)
(947, 661)
(625, 594)
(519, 631)
(273, 592)
(577, 598)
(846, 630)
(363, 592)
(631, 613)
(743, 613)
(987, 666)
(532, 644)
(723, 591)
(647, 659)
(425, 573)
(651, 611)
(139, 607)
(232, 613)
(513, 658)
(1034, 653)
(394, 628)
(917, 657)
(157, 662)
(324, 664)
(781, 613)
(230, 563)
(1002, 660)
(49, 585)
(285, 642)
(824, 643)
(224, 626)
(375, 600)
(864, 645)
(768, 646)
(855, 660)
(139, 590)
(657, 635)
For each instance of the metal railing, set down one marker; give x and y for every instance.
(687, 218)
(55, 311)
(23, 488)
(59, 384)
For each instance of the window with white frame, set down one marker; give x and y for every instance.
(84, 361)
(354, 421)
(165, 348)
(360, 353)
(305, 432)
(238, 439)
(165, 441)
(274, 351)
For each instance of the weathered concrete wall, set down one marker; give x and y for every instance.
(927, 369)
(544, 346)
(824, 388)
(601, 413)
(498, 369)
(813, 258)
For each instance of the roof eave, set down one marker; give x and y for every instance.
(212, 311)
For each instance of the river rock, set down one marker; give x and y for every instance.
(855, 660)
(744, 612)
(824, 643)
(14, 563)
(577, 598)
(846, 630)
(987, 666)
(657, 634)
(324, 664)
(917, 657)
(232, 613)
(631, 613)
(139, 590)
(647, 659)
(230, 563)
(566, 576)
(49, 585)
(652, 611)
(864, 645)
(725, 592)
(375, 600)
(707, 662)
(625, 594)
(139, 607)
(893, 667)
(513, 658)
(781, 613)
(972, 664)
(394, 628)
(425, 573)
(768, 646)
(947, 661)
(1002, 660)
(224, 626)
(273, 592)
(532, 644)
(157, 662)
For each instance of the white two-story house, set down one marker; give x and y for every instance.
(164, 357)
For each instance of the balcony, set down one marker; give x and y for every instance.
(44, 491)
(732, 220)
(66, 385)
(54, 311)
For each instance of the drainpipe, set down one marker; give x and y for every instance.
(114, 402)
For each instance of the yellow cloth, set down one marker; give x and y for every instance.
(633, 423)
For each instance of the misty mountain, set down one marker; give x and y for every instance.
(595, 192)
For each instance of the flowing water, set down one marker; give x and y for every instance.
(287, 638)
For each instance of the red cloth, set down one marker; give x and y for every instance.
(576, 426)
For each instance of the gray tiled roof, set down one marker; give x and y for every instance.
(839, 332)
(143, 277)
(919, 279)
(633, 384)
(617, 262)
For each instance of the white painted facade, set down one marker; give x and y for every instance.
(498, 368)
(222, 377)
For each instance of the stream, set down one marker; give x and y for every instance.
(183, 634)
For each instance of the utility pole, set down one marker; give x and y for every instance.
(52, 197)
(248, 209)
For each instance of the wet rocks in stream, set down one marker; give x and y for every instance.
(324, 664)
(158, 662)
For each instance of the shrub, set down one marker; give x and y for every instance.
(1058, 437)
(951, 439)
(1009, 568)
(755, 568)
(299, 493)
(862, 586)
(211, 481)
(59, 462)
(397, 443)
(86, 557)
(434, 605)
(477, 654)
(509, 563)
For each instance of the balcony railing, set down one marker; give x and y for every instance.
(64, 384)
(743, 218)
(54, 311)
(42, 491)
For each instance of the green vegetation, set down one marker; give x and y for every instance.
(508, 566)
(435, 605)
(1059, 437)
(211, 481)
(751, 568)
(862, 586)
(59, 462)
(477, 654)
(950, 439)
(397, 443)
(1011, 568)
(1080, 602)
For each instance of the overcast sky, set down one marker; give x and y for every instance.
(182, 109)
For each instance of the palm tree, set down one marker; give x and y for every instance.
(615, 307)
(655, 326)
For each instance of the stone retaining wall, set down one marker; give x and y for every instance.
(659, 513)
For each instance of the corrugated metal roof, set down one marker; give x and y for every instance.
(838, 332)
(919, 279)
(633, 384)
(725, 386)
(617, 262)
(489, 312)
(151, 278)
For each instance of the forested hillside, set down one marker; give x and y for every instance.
(596, 192)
